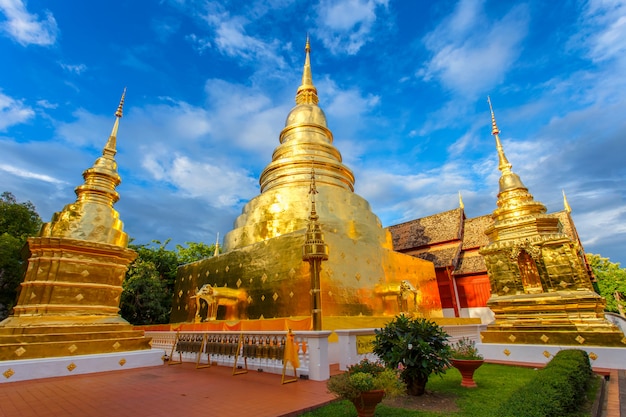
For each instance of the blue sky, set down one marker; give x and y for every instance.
(404, 85)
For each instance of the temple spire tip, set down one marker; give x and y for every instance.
(566, 203)
(307, 93)
(120, 108)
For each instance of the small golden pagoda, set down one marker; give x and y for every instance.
(69, 300)
(541, 291)
(261, 273)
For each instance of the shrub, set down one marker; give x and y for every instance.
(465, 348)
(416, 346)
(556, 390)
(365, 376)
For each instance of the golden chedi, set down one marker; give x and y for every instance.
(262, 257)
(541, 290)
(69, 300)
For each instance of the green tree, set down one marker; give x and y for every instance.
(194, 252)
(611, 279)
(149, 283)
(18, 221)
(145, 299)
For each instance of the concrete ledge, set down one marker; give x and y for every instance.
(600, 357)
(27, 369)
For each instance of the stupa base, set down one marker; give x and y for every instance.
(27, 369)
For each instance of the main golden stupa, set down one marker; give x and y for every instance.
(262, 275)
(69, 300)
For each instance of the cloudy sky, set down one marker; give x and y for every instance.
(404, 85)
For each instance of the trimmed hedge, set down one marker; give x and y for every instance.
(556, 391)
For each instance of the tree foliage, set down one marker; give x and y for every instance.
(149, 283)
(611, 279)
(18, 221)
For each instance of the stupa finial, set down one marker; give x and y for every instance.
(111, 143)
(217, 245)
(307, 93)
(504, 165)
(566, 203)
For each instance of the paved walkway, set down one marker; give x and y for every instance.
(162, 391)
(182, 390)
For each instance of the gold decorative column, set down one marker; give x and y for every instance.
(314, 251)
(69, 299)
(541, 291)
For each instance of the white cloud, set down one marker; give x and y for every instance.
(471, 52)
(26, 28)
(219, 185)
(231, 38)
(46, 104)
(75, 69)
(29, 175)
(347, 25)
(604, 29)
(13, 112)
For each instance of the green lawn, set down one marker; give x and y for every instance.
(495, 385)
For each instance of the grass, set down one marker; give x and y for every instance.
(496, 383)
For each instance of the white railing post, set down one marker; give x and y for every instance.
(317, 348)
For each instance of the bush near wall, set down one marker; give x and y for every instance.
(556, 391)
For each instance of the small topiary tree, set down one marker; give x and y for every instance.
(417, 346)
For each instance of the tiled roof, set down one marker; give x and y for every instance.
(440, 256)
(470, 262)
(474, 231)
(438, 228)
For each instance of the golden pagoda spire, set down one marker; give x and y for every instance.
(461, 205)
(504, 166)
(307, 93)
(508, 180)
(566, 203)
(217, 245)
(92, 217)
(111, 143)
(514, 199)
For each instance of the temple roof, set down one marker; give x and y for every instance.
(430, 230)
(474, 232)
(441, 256)
(470, 262)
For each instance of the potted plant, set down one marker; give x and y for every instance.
(466, 358)
(419, 347)
(365, 384)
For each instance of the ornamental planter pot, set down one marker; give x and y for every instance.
(467, 367)
(366, 402)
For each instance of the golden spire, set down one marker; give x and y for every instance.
(92, 217)
(111, 143)
(461, 205)
(565, 203)
(504, 166)
(307, 93)
(312, 191)
(514, 200)
(217, 245)
(314, 251)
